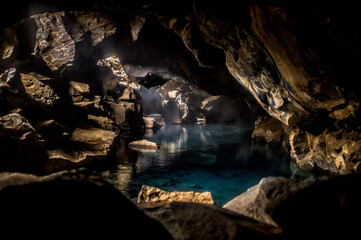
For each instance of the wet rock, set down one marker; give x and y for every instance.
(273, 132)
(82, 199)
(155, 197)
(201, 221)
(259, 201)
(331, 151)
(21, 146)
(153, 121)
(143, 145)
(88, 145)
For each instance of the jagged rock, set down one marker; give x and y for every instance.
(87, 145)
(201, 221)
(81, 198)
(79, 91)
(155, 197)
(21, 146)
(153, 121)
(332, 151)
(259, 201)
(11, 88)
(53, 43)
(271, 131)
(143, 145)
(98, 25)
(126, 115)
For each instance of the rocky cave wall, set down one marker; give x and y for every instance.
(294, 62)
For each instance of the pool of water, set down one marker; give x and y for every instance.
(218, 158)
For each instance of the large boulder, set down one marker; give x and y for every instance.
(21, 146)
(79, 202)
(201, 221)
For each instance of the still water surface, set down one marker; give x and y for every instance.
(218, 158)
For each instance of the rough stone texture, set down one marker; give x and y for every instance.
(333, 151)
(21, 146)
(155, 197)
(201, 221)
(83, 202)
(87, 145)
(102, 122)
(53, 43)
(273, 132)
(259, 201)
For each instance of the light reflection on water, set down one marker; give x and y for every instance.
(217, 158)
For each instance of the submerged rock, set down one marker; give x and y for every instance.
(80, 198)
(150, 197)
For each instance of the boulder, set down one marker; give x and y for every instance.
(143, 145)
(52, 131)
(258, 201)
(80, 200)
(155, 197)
(21, 146)
(153, 121)
(102, 122)
(203, 221)
(88, 145)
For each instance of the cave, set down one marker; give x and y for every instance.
(179, 119)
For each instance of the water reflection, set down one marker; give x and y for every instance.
(217, 158)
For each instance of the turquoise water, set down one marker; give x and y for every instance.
(218, 158)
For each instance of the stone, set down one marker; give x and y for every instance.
(81, 87)
(155, 197)
(258, 201)
(53, 42)
(101, 122)
(143, 145)
(81, 198)
(273, 132)
(21, 146)
(52, 131)
(87, 145)
(336, 152)
(153, 121)
(204, 221)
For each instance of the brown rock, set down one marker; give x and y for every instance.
(143, 145)
(153, 121)
(155, 197)
(332, 151)
(87, 145)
